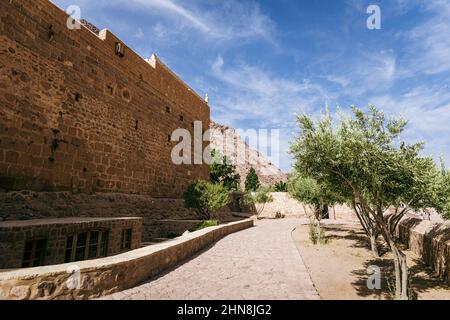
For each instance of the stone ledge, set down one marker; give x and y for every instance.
(111, 274)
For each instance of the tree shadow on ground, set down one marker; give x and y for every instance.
(424, 278)
(421, 278)
(358, 236)
(361, 283)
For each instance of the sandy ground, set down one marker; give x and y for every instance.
(339, 268)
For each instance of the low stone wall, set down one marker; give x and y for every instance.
(431, 241)
(282, 203)
(96, 278)
(290, 208)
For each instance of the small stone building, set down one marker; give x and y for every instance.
(40, 242)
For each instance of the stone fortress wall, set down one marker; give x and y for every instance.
(77, 117)
(85, 132)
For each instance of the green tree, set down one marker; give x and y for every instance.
(443, 192)
(260, 196)
(363, 157)
(223, 171)
(252, 181)
(206, 197)
(318, 196)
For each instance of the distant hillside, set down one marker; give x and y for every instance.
(228, 142)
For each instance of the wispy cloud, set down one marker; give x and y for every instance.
(223, 21)
(252, 97)
(429, 42)
(428, 112)
(171, 7)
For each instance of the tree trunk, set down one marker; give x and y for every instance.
(401, 273)
(373, 244)
(318, 231)
(260, 211)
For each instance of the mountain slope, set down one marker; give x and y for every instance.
(226, 140)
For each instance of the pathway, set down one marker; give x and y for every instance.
(258, 263)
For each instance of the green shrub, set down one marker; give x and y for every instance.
(280, 187)
(317, 233)
(206, 197)
(206, 224)
(313, 232)
(172, 235)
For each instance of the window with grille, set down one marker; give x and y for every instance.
(126, 239)
(87, 245)
(34, 253)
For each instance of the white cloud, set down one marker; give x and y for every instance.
(171, 7)
(225, 21)
(342, 81)
(429, 42)
(139, 34)
(259, 99)
(428, 112)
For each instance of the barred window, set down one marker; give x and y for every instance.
(126, 239)
(34, 253)
(87, 245)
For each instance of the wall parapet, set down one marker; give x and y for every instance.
(105, 276)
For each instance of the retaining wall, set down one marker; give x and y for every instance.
(429, 240)
(112, 274)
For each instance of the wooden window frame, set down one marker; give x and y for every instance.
(125, 243)
(32, 258)
(102, 234)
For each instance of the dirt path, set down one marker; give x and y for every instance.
(339, 268)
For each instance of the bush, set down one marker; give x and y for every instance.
(317, 233)
(313, 232)
(280, 187)
(206, 224)
(206, 197)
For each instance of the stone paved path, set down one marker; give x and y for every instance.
(257, 263)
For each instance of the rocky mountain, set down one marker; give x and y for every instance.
(226, 140)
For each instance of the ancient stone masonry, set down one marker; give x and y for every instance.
(75, 116)
(54, 233)
(85, 134)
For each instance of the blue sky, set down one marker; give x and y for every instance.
(262, 62)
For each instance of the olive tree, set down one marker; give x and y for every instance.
(261, 197)
(443, 192)
(318, 196)
(363, 157)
